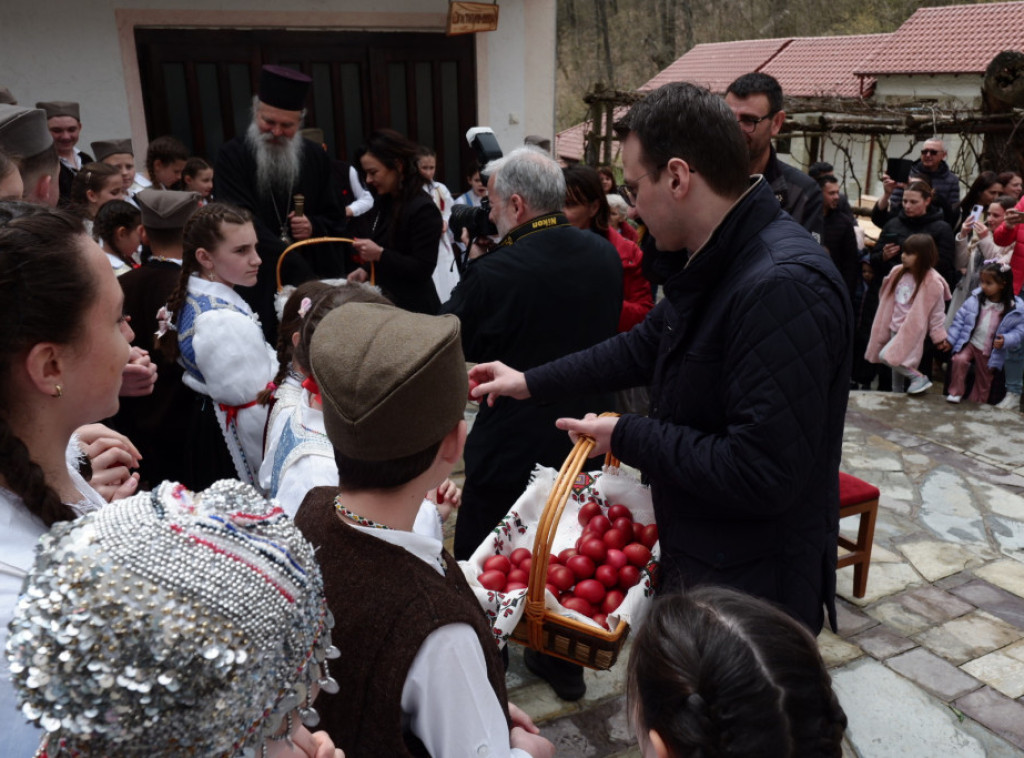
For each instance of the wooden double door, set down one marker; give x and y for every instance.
(198, 85)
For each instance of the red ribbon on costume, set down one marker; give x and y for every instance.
(231, 412)
(309, 384)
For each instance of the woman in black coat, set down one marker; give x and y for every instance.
(918, 216)
(405, 225)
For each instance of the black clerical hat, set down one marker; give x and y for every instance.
(284, 88)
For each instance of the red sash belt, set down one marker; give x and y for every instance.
(231, 411)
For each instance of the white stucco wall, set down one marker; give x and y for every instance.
(75, 50)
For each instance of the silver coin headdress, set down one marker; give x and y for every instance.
(171, 624)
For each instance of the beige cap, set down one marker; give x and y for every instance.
(166, 209)
(23, 131)
(104, 147)
(56, 108)
(392, 382)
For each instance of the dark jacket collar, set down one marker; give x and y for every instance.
(773, 171)
(918, 169)
(754, 210)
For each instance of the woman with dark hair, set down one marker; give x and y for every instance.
(586, 207)
(984, 191)
(714, 672)
(608, 183)
(918, 215)
(405, 225)
(1012, 183)
(63, 346)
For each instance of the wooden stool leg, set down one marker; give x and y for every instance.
(865, 540)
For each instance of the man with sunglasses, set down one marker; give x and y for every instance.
(932, 168)
(747, 356)
(756, 99)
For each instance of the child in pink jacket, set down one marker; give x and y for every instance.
(911, 306)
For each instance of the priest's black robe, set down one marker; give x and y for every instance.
(235, 183)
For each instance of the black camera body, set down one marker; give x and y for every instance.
(477, 219)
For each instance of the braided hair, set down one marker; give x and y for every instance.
(290, 323)
(45, 290)
(720, 674)
(202, 230)
(323, 304)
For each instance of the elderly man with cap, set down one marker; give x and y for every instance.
(157, 424)
(263, 171)
(65, 124)
(24, 135)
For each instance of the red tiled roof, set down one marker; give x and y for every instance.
(715, 64)
(955, 39)
(824, 66)
(569, 143)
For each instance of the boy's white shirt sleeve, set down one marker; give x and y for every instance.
(448, 699)
(363, 199)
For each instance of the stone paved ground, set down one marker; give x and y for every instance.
(931, 662)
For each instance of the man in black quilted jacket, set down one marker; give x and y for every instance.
(756, 99)
(747, 356)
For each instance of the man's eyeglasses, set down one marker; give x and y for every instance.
(628, 190)
(749, 123)
(929, 151)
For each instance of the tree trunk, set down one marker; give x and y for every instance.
(686, 6)
(1001, 91)
(601, 16)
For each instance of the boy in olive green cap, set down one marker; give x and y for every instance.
(425, 673)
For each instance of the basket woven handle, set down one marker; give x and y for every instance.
(546, 529)
(303, 243)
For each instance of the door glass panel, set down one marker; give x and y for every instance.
(323, 100)
(241, 95)
(352, 108)
(177, 102)
(397, 98)
(424, 105)
(209, 106)
(450, 129)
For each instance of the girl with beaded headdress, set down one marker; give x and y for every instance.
(219, 341)
(173, 624)
(63, 346)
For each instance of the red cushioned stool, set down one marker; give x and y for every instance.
(857, 497)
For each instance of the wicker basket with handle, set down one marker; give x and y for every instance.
(541, 629)
(315, 241)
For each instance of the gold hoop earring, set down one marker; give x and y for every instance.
(58, 391)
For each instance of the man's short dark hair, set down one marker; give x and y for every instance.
(165, 237)
(827, 179)
(820, 168)
(682, 120)
(758, 84)
(356, 475)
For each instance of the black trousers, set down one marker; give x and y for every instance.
(481, 510)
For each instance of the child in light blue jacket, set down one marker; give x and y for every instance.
(988, 324)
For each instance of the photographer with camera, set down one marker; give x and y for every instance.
(545, 290)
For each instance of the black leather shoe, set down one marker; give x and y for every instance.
(565, 678)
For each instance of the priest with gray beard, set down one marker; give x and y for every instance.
(262, 172)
